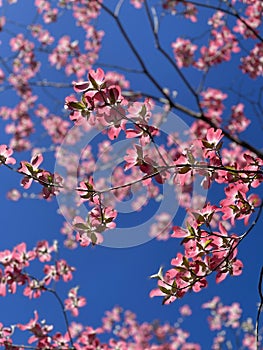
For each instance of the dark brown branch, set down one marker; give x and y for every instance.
(137, 55)
(167, 56)
(233, 13)
(52, 291)
(260, 308)
(196, 115)
(234, 245)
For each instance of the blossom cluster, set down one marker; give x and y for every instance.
(205, 250)
(213, 154)
(125, 332)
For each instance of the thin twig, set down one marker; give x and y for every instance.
(197, 115)
(233, 13)
(168, 57)
(260, 306)
(235, 243)
(64, 314)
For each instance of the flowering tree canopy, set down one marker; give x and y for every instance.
(136, 121)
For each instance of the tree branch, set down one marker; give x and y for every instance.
(260, 308)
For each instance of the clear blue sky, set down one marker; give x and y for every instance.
(109, 276)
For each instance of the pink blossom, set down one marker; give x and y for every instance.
(253, 63)
(220, 48)
(30, 170)
(5, 155)
(185, 310)
(238, 122)
(74, 302)
(137, 3)
(217, 19)
(13, 195)
(183, 51)
(44, 251)
(213, 104)
(162, 228)
(86, 232)
(40, 330)
(96, 80)
(179, 232)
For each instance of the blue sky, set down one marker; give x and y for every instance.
(111, 276)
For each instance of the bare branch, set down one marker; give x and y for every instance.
(260, 308)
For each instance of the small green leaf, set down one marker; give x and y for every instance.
(174, 287)
(93, 82)
(143, 111)
(207, 242)
(185, 262)
(206, 144)
(164, 290)
(190, 157)
(184, 169)
(80, 226)
(185, 279)
(93, 238)
(191, 230)
(29, 167)
(76, 105)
